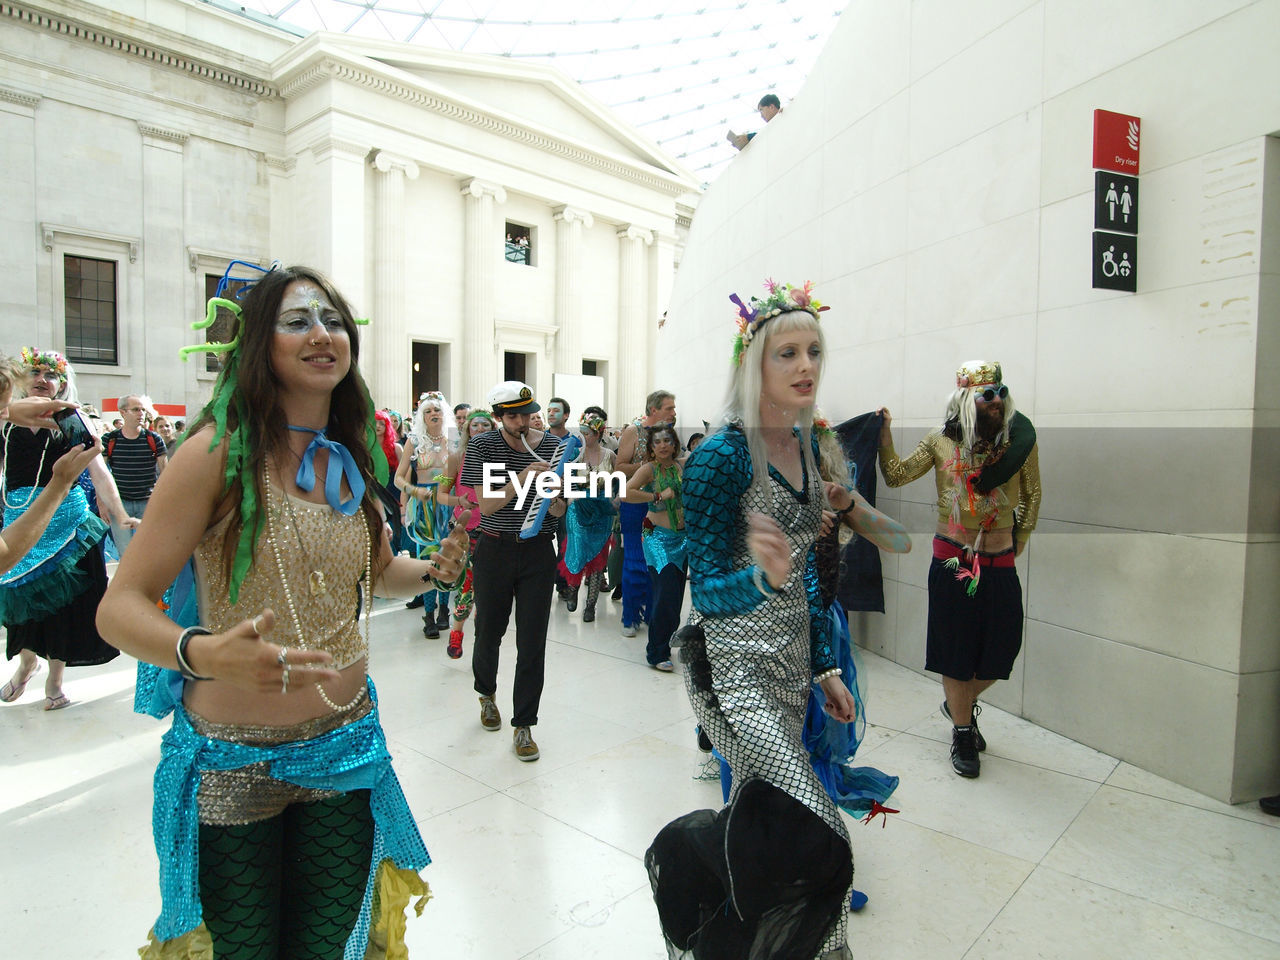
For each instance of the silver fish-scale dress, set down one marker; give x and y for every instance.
(760, 661)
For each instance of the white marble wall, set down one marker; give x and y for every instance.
(934, 179)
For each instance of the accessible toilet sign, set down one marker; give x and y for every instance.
(1117, 138)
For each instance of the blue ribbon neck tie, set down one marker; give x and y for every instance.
(306, 478)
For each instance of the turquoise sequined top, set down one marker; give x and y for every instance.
(716, 476)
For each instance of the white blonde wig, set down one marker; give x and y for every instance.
(418, 433)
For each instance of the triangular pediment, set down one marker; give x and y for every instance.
(534, 101)
(530, 96)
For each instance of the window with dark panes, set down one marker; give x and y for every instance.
(519, 245)
(89, 291)
(223, 328)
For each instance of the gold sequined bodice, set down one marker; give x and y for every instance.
(937, 452)
(333, 544)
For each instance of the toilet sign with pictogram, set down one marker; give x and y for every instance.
(1115, 262)
(1115, 202)
(1117, 138)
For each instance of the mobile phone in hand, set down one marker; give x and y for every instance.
(74, 428)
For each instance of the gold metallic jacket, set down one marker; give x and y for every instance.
(937, 451)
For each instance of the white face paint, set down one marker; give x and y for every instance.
(309, 351)
(305, 305)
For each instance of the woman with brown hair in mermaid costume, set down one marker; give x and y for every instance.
(278, 821)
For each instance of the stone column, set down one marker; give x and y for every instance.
(330, 218)
(19, 252)
(662, 275)
(481, 252)
(633, 322)
(391, 357)
(570, 222)
(164, 274)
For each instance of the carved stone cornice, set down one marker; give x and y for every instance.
(325, 147)
(20, 97)
(472, 116)
(163, 133)
(313, 76)
(49, 233)
(134, 48)
(282, 164)
(219, 257)
(570, 214)
(482, 188)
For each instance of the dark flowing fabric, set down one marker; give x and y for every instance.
(784, 862)
(759, 879)
(861, 582)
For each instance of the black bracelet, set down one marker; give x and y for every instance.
(841, 514)
(184, 638)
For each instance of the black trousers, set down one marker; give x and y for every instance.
(524, 572)
(668, 598)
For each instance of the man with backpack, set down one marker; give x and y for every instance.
(136, 457)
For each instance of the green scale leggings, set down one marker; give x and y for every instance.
(291, 887)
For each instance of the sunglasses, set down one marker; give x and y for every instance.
(991, 393)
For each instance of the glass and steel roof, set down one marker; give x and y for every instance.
(682, 72)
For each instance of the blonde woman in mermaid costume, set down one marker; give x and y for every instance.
(770, 874)
(426, 515)
(278, 820)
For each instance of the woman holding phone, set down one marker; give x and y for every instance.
(49, 597)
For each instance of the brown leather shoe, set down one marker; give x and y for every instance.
(522, 742)
(490, 718)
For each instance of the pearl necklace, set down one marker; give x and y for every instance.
(293, 610)
(35, 488)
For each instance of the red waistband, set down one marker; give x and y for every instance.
(944, 549)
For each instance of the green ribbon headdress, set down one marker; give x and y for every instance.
(226, 392)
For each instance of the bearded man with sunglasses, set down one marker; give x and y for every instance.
(987, 469)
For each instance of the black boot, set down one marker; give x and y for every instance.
(964, 752)
(589, 613)
(442, 618)
(415, 603)
(429, 628)
(571, 598)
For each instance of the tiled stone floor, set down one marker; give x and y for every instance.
(1057, 851)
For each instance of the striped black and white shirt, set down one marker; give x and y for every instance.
(492, 448)
(133, 462)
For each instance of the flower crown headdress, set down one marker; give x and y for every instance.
(783, 298)
(226, 392)
(592, 421)
(435, 396)
(821, 428)
(31, 357)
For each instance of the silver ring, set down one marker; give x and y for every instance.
(255, 623)
(284, 680)
(282, 658)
